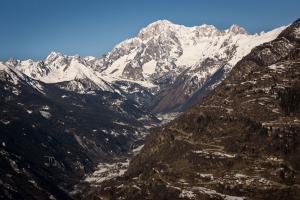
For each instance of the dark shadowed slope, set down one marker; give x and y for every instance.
(50, 138)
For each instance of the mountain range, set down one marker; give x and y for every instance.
(63, 115)
(162, 62)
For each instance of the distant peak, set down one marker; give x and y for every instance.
(53, 53)
(237, 30)
(155, 28)
(52, 56)
(207, 27)
(12, 61)
(161, 22)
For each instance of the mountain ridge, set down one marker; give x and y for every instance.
(155, 59)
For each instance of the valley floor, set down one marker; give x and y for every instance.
(116, 167)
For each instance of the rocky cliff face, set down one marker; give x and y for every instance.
(241, 141)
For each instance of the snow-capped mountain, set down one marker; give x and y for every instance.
(75, 72)
(164, 48)
(15, 77)
(165, 60)
(175, 61)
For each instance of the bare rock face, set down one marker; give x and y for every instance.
(240, 142)
(132, 71)
(238, 30)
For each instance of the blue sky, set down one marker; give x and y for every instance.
(31, 29)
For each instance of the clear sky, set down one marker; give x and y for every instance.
(31, 29)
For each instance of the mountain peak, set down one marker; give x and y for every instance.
(163, 22)
(154, 29)
(208, 28)
(55, 53)
(52, 56)
(238, 30)
(12, 62)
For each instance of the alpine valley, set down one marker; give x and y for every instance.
(69, 125)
